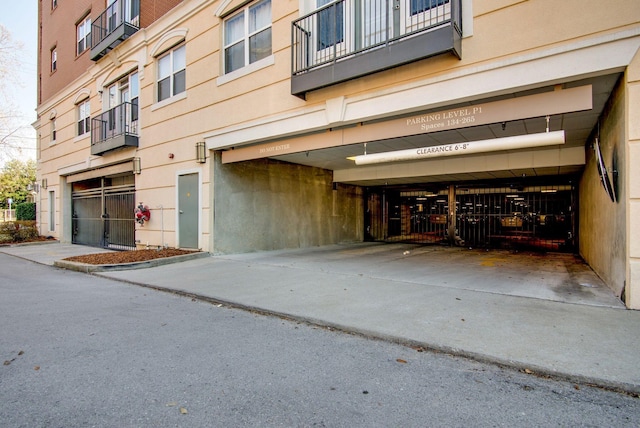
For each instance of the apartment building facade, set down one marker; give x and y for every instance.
(234, 126)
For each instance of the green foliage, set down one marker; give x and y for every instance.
(15, 178)
(17, 231)
(26, 211)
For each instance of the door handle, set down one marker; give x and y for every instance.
(181, 211)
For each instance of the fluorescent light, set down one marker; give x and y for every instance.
(464, 148)
(549, 190)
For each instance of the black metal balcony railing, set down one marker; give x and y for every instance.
(119, 21)
(114, 129)
(349, 38)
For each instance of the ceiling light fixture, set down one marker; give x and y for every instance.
(465, 148)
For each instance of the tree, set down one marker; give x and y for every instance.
(16, 179)
(14, 126)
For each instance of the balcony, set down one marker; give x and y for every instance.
(115, 129)
(347, 39)
(119, 21)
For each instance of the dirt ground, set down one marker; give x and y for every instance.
(118, 257)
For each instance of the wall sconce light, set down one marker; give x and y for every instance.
(201, 152)
(44, 183)
(137, 166)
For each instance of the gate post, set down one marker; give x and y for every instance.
(452, 214)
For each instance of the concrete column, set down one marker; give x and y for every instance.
(633, 182)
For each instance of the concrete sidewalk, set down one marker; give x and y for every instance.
(546, 314)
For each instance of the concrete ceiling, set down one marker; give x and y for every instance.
(578, 126)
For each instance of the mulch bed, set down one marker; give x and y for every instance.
(119, 257)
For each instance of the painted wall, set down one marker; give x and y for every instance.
(270, 205)
(602, 228)
(632, 181)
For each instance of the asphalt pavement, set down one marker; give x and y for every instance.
(548, 315)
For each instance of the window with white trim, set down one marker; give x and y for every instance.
(54, 59)
(172, 73)
(84, 117)
(52, 211)
(83, 32)
(247, 36)
(53, 130)
(124, 93)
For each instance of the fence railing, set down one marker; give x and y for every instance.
(348, 27)
(116, 14)
(120, 120)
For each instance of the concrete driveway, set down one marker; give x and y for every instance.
(551, 276)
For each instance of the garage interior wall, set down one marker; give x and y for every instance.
(602, 232)
(269, 205)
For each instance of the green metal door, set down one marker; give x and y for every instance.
(188, 211)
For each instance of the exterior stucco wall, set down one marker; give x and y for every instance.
(602, 230)
(632, 178)
(269, 205)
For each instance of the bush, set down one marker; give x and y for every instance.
(26, 211)
(18, 231)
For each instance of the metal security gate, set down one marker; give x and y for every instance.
(533, 217)
(103, 214)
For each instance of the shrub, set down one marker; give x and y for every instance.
(26, 211)
(18, 231)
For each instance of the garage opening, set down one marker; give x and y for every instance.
(534, 216)
(103, 212)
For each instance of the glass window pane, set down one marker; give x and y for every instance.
(179, 59)
(179, 82)
(234, 29)
(331, 26)
(164, 89)
(260, 16)
(134, 109)
(113, 97)
(234, 57)
(418, 6)
(260, 45)
(135, 85)
(164, 67)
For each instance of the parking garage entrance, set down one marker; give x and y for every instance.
(103, 212)
(534, 216)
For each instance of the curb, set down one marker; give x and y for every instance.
(89, 268)
(26, 244)
(531, 369)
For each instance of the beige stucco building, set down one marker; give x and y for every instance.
(268, 124)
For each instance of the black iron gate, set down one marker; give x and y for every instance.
(536, 217)
(103, 216)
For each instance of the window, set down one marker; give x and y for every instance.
(122, 105)
(52, 211)
(84, 117)
(83, 31)
(172, 73)
(53, 130)
(330, 25)
(54, 59)
(419, 6)
(247, 36)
